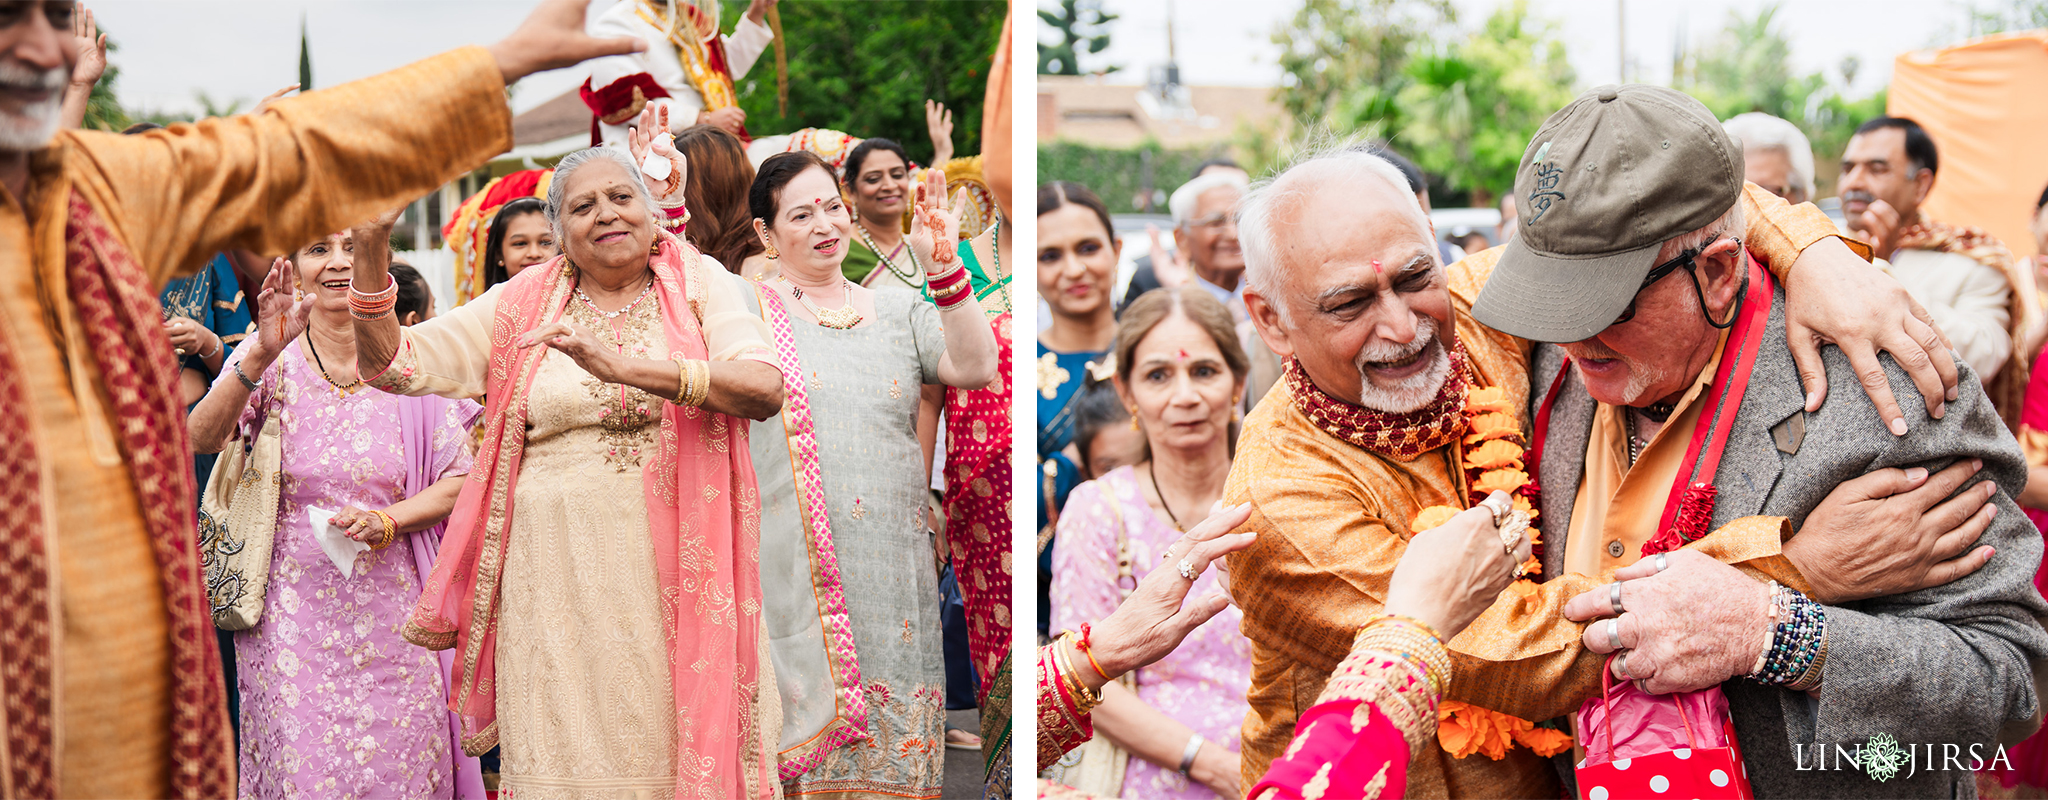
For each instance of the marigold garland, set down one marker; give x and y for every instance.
(1493, 462)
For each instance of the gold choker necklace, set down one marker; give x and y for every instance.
(840, 318)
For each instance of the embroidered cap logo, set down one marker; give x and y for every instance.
(1545, 192)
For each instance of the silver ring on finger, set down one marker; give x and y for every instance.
(1614, 597)
(1614, 634)
(1621, 665)
(1499, 506)
(1663, 561)
(1187, 569)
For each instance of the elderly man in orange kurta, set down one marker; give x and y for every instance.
(109, 674)
(1395, 401)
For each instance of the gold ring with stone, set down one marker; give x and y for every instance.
(1500, 506)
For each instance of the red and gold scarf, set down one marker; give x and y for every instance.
(1401, 437)
(122, 326)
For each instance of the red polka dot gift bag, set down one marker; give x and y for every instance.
(1640, 745)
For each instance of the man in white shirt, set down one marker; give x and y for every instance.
(687, 66)
(1964, 276)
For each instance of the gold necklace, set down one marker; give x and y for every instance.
(840, 318)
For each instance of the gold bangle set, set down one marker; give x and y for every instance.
(390, 532)
(1084, 700)
(1413, 641)
(693, 382)
(941, 296)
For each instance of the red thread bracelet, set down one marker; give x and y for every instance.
(1089, 651)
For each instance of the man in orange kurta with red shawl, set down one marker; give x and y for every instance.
(110, 680)
(1337, 488)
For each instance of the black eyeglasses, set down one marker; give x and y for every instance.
(1657, 273)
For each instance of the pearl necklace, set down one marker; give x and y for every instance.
(840, 318)
(612, 315)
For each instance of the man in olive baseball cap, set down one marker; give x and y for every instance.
(1602, 186)
(1671, 409)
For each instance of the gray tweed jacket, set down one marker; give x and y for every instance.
(1948, 665)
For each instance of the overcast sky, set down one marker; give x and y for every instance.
(245, 49)
(1234, 37)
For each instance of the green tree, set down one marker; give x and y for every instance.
(103, 110)
(2012, 15)
(1470, 108)
(1078, 23)
(867, 68)
(1748, 67)
(1349, 56)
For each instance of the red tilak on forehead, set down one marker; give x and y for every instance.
(1376, 268)
(1183, 355)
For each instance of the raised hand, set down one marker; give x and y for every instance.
(1168, 264)
(92, 48)
(938, 121)
(650, 136)
(552, 37)
(279, 319)
(937, 232)
(579, 346)
(1152, 621)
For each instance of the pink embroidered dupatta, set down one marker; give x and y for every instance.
(703, 513)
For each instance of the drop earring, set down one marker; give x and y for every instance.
(1134, 418)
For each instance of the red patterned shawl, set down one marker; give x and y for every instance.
(121, 320)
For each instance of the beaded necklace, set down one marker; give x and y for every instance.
(338, 388)
(612, 315)
(913, 276)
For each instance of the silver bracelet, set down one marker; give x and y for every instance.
(1187, 756)
(246, 383)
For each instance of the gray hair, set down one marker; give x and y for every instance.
(1335, 161)
(1731, 223)
(1185, 198)
(574, 161)
(1759, 131)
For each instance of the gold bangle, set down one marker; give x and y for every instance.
(1412, 639)
(703, 384)
(682, 380)
(1084, 700)
(390, 531)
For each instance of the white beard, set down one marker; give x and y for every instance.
(32, 127)
(1415, 391)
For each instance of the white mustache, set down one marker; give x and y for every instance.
(15, 76)
(1858, 196)
(1382, 352)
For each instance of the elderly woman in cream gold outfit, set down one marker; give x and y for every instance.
(599, 579)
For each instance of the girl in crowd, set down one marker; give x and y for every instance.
(334, 702)
(519, 238)
(415, 298)
(1105, 438)
(843, 486)
(720, 224)
(1180, 373)
(608, 531)
(1077, 257)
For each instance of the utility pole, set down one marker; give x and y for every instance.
(1621, 37)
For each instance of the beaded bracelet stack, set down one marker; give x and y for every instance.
(371, 306)
(1414, 641)
(949, 288)
(1795, 656)
(677, 217)
(693, 382)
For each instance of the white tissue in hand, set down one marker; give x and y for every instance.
(656, 165)
(333, 541)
